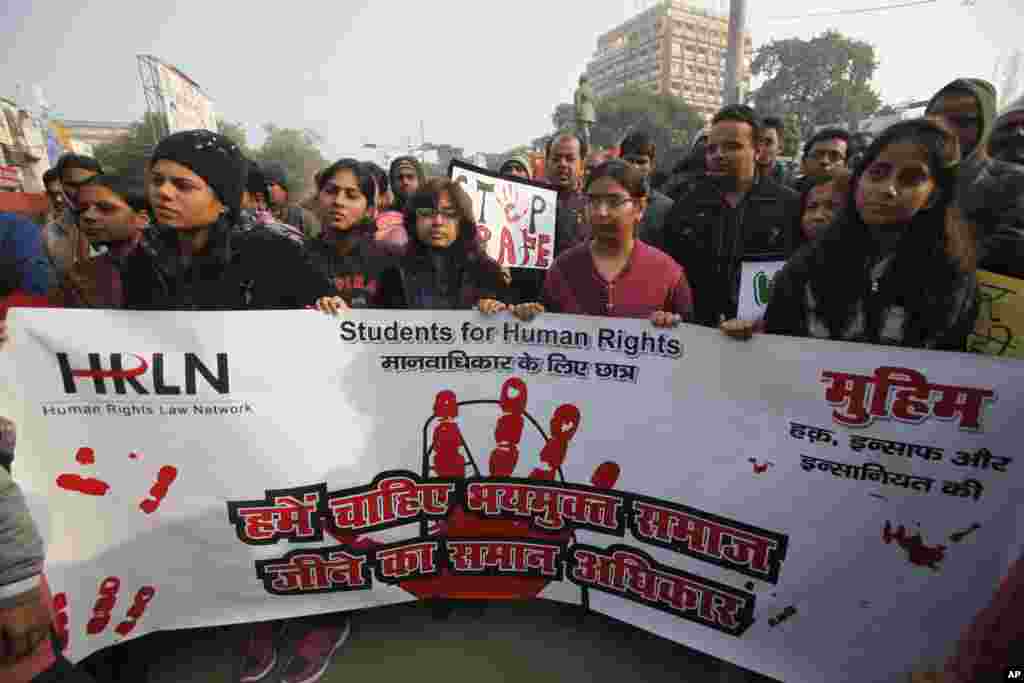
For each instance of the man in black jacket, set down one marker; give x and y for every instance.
(729, 215)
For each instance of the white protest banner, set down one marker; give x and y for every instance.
(809, 510)
(755, 286)
(515, 216)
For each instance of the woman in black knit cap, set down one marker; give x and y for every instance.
(196, 257)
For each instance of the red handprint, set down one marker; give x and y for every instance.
(448, 463)
(104, 604)
(164, 479)
(446, 406)
(564, 424)
(90, 486)
(61, 620)
(135, 612)
(508, 431)
(605, 476)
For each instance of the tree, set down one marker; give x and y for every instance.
(824, 80)
(298, 150)
(129, 155)
(234, 132)
(791, 136)
(668, 119)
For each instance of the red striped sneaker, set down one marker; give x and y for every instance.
(313, 653)
(260, 654)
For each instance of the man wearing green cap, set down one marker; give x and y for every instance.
(990, 191)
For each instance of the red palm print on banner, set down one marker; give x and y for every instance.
(449, 456)
(89, 486)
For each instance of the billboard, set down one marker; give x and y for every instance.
(186, 106)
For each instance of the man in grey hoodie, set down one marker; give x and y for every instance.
(990, 191)
(1007, 143)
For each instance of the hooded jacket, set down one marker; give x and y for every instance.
(393, 178)
(520, 159)
(990, 192)
(710, 239)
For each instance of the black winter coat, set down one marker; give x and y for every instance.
(236, 271)
(711, 239)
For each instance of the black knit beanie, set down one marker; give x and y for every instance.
(212, 157)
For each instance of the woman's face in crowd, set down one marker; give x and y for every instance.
(105, 217)
(180, 198)
(896, 185)
(342, 203)
(822, 204)
(438, 227)
(613, 213)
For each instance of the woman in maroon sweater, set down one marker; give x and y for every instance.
(615, 274)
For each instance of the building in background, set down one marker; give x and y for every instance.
(23, 150)
(676, 47)
(87, 135)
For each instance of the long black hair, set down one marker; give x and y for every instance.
(922, 275)
(467, 251)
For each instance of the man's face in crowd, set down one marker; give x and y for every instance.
(642, 162)
(408, 182)
(563, 163)
(1007, 142)
(71, 179)
(105, 217)
(55, 194)
(768, 148)
(731, 152)
(825, 156)
(960, 112)
(278, 195)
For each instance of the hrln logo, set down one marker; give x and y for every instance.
(160, 375)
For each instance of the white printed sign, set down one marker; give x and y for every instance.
(187, 107)
(515, 217)
(755, 287)
(787, 505)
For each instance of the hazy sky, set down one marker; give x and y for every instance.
(480, 74)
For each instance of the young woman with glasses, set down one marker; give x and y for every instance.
(615, 274)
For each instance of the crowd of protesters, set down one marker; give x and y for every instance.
(882, 240)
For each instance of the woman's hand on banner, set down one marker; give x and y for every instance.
(527, 312)
(666, 319)
(23, 626)
(738, 329)
(332, 305)
(3, 333)
(490, 306)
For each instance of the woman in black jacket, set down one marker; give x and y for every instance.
(897, 265)
(197, 256)
(364, 271)
(445, 266)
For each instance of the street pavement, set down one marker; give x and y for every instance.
(522, 642)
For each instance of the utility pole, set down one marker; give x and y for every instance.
(735, 55)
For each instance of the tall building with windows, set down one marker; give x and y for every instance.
(677, 47)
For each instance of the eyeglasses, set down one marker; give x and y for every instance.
(430, 213)
(610, 202)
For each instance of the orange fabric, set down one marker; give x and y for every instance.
(24, 203)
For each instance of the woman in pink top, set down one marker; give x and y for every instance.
(615, 274)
